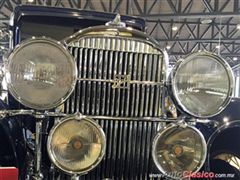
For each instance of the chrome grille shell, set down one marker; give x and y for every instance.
(104, 52)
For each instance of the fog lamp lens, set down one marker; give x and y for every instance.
(76, 145)
(178, 149)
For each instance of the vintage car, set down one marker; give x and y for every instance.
(87, 96)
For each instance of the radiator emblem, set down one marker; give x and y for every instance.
(121, 81)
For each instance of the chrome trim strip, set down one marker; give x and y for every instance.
(133, 118)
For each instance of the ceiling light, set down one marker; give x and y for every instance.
(238, 26)
(235, 58)
(30, 1)
(218, 47)
(206, 21)
(225, 119)
(174, 28)
(168, 47)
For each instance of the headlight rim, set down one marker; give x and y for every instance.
(78, 117)
(190, 57)
(162, 131)
(55, 43)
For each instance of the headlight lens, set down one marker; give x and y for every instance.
(177, 149)
(41, 73)
(76, 145)
(203, 84)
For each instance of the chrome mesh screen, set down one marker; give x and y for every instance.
(101, 61)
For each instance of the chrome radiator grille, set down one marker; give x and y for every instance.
(100, 60)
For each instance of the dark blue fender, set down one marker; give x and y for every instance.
(225, 140)
(13, 151)
(232, 112)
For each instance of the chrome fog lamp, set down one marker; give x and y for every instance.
(41, 73)
(76, 145)
(178, 149)
(202, 84)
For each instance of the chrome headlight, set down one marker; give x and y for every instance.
(202, 84)
(41, 73)
(76, 145)
(178, 149)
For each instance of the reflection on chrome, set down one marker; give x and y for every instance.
(232, 159)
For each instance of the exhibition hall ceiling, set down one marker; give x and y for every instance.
(180, 26)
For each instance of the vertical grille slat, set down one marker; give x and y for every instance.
(73, 97)
(121, 91)
(84, 75)
(124, 147)
(133, 86)
(129, 69)
(128, 142)
(129, 150)
(147, 146)
(148, 88)
(94, 90)
(138, 76)
(108, 143)
(143, 145)
(124, 111)
(104, 85)
(98, 85)
(78, 55)
(119, 149)
(157, 89)
(114, 147)
(114, 71)
(109, 153)
(143, 98)
(152, 72)
(89, 85)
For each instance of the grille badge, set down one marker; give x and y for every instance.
(121, 81)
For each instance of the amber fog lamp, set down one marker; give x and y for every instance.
(178, 149)
(76, 145)
(41, 73)
(202, 84)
